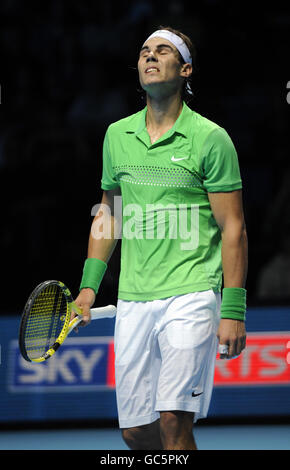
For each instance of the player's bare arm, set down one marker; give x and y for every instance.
(228, 212)
(101, 248)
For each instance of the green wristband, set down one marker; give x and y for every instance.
(93, 273)
(234, 303)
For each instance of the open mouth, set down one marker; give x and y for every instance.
(151, 69)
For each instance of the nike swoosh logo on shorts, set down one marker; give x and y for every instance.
(177, 159)
(196, 394)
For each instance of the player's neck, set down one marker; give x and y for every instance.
(162, 113)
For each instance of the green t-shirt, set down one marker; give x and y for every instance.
(171, 243)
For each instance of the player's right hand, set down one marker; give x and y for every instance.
(85, 300)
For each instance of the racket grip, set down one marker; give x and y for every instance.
(96, 313)
(109, 311)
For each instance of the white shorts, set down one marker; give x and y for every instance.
(165, 352)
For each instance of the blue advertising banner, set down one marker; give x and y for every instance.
(80, 364)
(78, 383)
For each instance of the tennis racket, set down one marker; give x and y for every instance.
(45, 321)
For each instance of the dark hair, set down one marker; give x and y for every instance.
(186, 94)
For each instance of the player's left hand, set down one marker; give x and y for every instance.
(233, 334)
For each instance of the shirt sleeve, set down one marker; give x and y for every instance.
(109, 180)
(220, 163)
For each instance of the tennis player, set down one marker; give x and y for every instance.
(183, 233)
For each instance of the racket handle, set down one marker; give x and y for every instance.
(96, 313)
(103, 312)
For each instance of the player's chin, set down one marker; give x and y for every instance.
(154, 87)
(159, 86)
(151, 79)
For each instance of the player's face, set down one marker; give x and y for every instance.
(159, 66)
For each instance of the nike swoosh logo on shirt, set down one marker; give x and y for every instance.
(177, 159)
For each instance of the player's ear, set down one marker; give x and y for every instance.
(186, 70)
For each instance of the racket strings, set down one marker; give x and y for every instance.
(45, 321)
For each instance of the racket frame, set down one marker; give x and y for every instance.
(70, 306)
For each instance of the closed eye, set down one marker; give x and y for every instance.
(161, 49)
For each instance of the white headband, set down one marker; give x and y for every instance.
(176, 41)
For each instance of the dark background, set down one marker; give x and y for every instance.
(68, 69)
